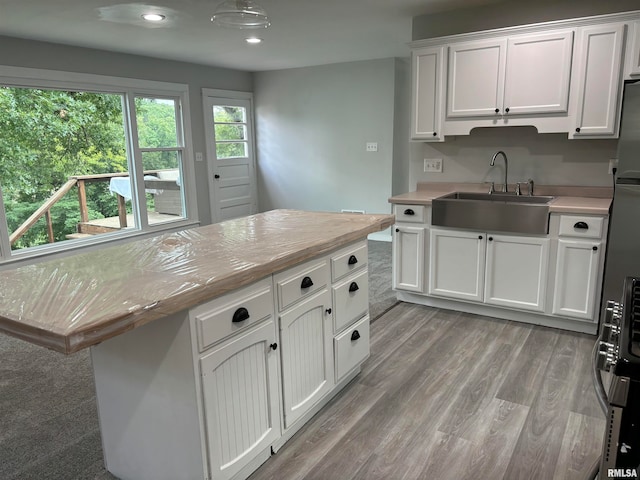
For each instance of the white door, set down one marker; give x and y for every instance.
(408, 258)
(516, 271)
(576, 279)
(597, 80)
(231, 154)
(456, 264)
(538, 73)
(241, 400)
(426, 118)
(306, 337)
(476, 78)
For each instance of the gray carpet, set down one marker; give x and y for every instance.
(48, 417)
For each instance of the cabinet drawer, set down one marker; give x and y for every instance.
(347, 260)
(581, 226)
(350, 300)
(351, 347)
(410, 213)
(214, 320)
(300, 282)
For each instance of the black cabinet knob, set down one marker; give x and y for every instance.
(581, 225)
(355, 335)
(352, 260)
(306, 282)
(216, 176)
(497, 110)
(595, 249)
(397, 229)
(435, 134)
(408, 211)
(240, 315)
(274, 346)
(479, 237)
(491, 239)
(353, 287)
(506, 109)
(578, 130)
(328, 310)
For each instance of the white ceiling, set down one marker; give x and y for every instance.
(302, 32)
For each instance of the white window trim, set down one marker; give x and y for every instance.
(54, 79)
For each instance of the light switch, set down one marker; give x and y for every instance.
(198, 156)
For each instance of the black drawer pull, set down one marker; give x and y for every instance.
(328, 310)
(491, 239)
(497, 110)
(306, 282)
(352, 260)
(397, 230)
(581, 225)
(578, 130)
(355, 335)
(507, 109)
(595, 249)
(240, 315)
(274, 346)
(354, 287)
(408, 211)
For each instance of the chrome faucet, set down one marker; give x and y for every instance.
(506, 168)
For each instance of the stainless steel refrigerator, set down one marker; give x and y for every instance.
(623, 245)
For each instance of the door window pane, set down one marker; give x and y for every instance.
(226, 131)
(58, 152)
(231, 150)
(228, 114)
(156, 118)
(163, 186)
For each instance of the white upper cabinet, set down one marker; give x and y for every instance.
(476, 78)
(538, 73)
(525, 74)
(597, 81)
(633, 50)
(426, 113)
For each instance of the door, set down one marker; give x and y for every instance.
(597, 74)
(538, 73)
(576, 279)
(456, 264)
(516, 271)
(408, 258)
(476, 78)
(230, 154)
(306, 336)
(241, 401)
(426, 118)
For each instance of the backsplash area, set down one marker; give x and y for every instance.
(549, 159)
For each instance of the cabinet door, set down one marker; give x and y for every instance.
(307, 355)
(456, 264)
(597, 81)
(241, 400)
(426, 118)
(516, 271)
(538, 73)
(576, 279)
(476, 78)
(633, 49)
(408, 258)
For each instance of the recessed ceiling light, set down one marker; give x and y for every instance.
(153, 17)
(253, 40)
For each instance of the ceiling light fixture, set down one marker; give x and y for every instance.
(253, 40)
(240, 14)
(153, 17)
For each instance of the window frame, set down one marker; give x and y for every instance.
(20, 77)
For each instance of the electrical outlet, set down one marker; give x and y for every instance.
(613, 163)
(433, 165)
(198, 156)
(372, 146)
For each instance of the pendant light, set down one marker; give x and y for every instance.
(240, 14)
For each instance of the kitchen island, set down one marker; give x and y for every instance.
(210, 346)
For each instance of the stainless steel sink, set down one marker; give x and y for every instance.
(492, 212)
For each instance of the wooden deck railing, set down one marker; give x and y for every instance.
(80, 181)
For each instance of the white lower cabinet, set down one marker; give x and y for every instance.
(240, 399)
(306, 333)
(457, 264)
(576, 280)
(408, 258)
(516, 271)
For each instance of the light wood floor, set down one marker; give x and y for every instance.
(453, 396)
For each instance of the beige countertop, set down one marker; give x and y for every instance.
(569, 199)
(74, 302)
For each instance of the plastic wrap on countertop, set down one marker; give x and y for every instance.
(71, 303)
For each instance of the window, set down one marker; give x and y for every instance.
(87, 161)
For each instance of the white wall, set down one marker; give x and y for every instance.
(312, 125)
(33, 54)
(549, 159)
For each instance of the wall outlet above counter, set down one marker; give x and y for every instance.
(433, 165)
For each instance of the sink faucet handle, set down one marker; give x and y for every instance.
(518, 188)
(492, 188)
(530, 187)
